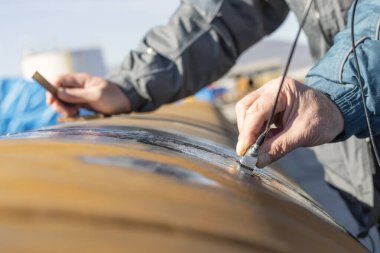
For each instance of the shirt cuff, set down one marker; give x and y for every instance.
(348, 100)
(135, 99)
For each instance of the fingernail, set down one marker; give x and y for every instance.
(239, 148)
(264, 160)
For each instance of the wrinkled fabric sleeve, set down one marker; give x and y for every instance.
(200, 43)
(335, 74)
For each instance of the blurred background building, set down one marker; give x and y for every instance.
(59, 62)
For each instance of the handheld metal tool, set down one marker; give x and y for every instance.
(41, 80)
(252, 154)
(45, 83)
(249, 159)
(48, 86)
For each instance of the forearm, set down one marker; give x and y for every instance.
(199, 45)
(335, 74)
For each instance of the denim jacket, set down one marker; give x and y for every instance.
(349, 165)
(336, 76)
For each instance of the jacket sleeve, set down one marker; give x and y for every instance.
(335, 74)
(199, 44)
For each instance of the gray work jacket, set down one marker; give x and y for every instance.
(202, 42)
(204, 38)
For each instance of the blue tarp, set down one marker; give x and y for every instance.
(23, 107)
(210, 93)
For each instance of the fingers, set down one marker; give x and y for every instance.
(254, 122)
(72, 81)
(77, 95)
(300, 117)
(242, 106)
(252, 112)
(279, 145)
(71, 89)
(73, 96)
(83, 90)
(49, 98)
(64, 109)
(58, 106)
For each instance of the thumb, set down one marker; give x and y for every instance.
(49, 98)
(277, 146)
(75, 95)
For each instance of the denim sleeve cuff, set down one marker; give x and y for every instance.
(348, 99)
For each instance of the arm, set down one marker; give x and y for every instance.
(330, 109)
(335, 74)
(200, 43)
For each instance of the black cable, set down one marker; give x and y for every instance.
(362, 235)
(254, 150)
(359, 78)
(262, 137)
(372, 243)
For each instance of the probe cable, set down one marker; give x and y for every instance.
(359, 78)
(306, 13)
(254, 150)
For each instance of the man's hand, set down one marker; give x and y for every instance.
(94, 93)
(304, 117)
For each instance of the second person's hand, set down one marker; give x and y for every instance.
(86, 91)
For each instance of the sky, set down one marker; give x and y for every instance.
(115, 26)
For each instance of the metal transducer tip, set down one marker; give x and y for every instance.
(249, 159)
